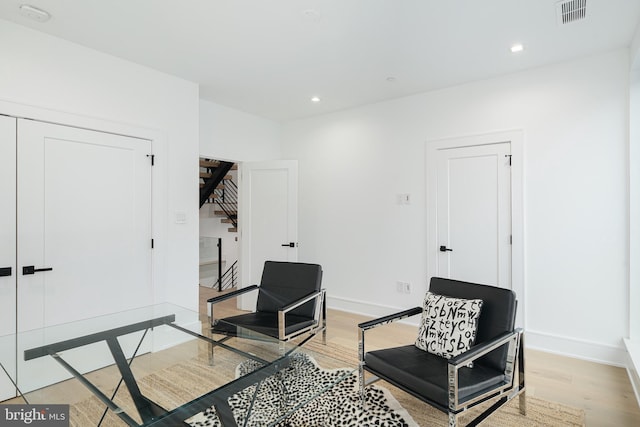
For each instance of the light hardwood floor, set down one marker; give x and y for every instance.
(603, 391)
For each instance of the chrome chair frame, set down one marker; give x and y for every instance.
(503, 394)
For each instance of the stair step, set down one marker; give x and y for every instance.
(226, 221)
(209, 163)
(219, 187)
(206, 175)
(233, 229)
(232, 213)
(215, 164)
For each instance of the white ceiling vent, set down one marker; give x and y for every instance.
(571, 11)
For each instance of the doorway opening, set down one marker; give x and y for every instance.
(219, 246)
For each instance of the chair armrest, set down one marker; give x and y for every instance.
(512, 339)
(232, 294)
(318, 312)
(390, 318)
(301, 301)
(480, 350)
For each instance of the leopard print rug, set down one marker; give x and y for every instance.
(297, 384)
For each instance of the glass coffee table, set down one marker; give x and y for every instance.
(153, 366)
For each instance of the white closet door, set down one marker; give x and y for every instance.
(474, 214)
(84, 211)
(7, 254)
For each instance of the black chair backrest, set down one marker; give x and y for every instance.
(498, 313)
(286, 282)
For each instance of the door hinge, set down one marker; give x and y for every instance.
(511, 239)
(153, 159)
(152, 243)
(509, 156)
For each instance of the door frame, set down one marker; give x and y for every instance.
(8, 256)
(159, 173)
(516, 138)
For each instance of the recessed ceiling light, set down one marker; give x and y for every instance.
(34, 13)
(517, 48)
(391, 79)
(315, 99)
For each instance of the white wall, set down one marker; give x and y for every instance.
(574, 118)
(63, 82)
(229, 134)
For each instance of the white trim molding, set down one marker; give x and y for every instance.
(633, 365)
(368, 309)
(516, 138)
(576, 348)
(160, 173)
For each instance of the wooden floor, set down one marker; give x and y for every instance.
(603, 391)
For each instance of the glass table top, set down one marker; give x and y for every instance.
(155, 366)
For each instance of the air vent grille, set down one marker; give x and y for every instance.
(571, 11)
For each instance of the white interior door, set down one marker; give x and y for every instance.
(268, 218)
(7, 255)
(474, 213)
(84, 211)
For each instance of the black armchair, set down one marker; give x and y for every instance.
(290, 303)
(485, 372)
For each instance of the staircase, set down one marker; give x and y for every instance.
(217, 186)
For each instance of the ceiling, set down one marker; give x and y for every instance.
(269, 57)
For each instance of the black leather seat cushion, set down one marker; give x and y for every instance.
(263, 323)
(425, 374)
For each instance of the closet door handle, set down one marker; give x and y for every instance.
(30, 269)
(5, 271)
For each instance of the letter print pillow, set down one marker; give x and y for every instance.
(448, 325)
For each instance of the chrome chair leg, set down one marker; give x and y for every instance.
(453, 419)
(522, 403)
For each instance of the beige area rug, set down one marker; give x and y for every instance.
(415, 413)
(303, 378)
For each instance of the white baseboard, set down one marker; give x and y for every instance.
(572, 347)
(367, 309)
(633, 365)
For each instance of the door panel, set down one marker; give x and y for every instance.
(84, 210)
(7, 254)
(474, 214)
(268, 218)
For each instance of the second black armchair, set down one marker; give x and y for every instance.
(291, 302)
(467, 351)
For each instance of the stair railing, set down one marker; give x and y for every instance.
(227, 200)
(217, 175)
(229, 278)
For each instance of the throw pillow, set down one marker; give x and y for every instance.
(448, 325)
